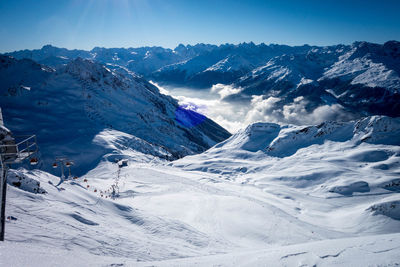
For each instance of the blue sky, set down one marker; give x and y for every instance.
(85, 24)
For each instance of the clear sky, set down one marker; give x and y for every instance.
(85, 24)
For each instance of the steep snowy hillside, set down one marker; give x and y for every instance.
(367, 78)
(67, 108)
(313, 195)
(370, 65)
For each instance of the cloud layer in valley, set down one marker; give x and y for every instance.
(235, 115)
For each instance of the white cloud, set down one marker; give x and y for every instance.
(207, 102)
(233, 116)
(270, 110)
(262, 109)
(226, 114)
(224, 90)
(160, 88)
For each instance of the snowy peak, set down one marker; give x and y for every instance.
(95, 72)
(285, 140)
(19, 76)
(230, 64)
(370, 65)
(386, 52)
(378, 130)
(287, 71)
(84, 68)
(254, 137)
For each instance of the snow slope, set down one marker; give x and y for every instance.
(381, 250)
(370, 65)
(332, 199)
(68, 107)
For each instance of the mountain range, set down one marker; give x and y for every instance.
(321, 189)
(351, 81)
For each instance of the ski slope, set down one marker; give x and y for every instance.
(331, 200)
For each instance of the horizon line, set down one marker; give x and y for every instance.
(187, 45)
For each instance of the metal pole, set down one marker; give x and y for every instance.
(62, 170)
(3, 200)
(1, 118)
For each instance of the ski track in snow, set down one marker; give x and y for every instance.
(331, 202)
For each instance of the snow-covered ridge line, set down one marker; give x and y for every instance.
(283, 140)
(68, 107)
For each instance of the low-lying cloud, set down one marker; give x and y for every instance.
(233, 116)
(271, 110)
(224, 90)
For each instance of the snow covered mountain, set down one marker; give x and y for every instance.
(142, 60)
(313, 195)
(361, 79)
(71, 107)
(299, 193)
(223, 64)
(350, 81)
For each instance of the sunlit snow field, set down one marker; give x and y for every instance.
(334, 201)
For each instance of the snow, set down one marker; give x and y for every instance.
(332, 199)
(230, 63)
(364, 71)
(364, 76)
(69, 109)
(381, 250)
(367, 64)
(305, 81)
(271, 194)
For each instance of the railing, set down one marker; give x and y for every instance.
(13, 150)
(18, 149)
